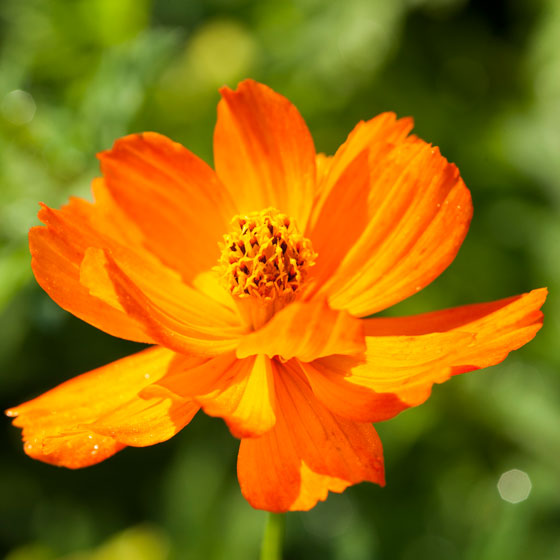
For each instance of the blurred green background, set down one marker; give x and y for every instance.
(482, 80)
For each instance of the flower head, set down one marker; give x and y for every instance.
(252, 281)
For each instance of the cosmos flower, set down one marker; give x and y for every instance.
(253, 283)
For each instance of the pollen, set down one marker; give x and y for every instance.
(265, 256)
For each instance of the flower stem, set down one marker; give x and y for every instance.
(273, 537)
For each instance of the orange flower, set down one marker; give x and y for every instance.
(251, 282)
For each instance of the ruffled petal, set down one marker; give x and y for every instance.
(402, 367)
(408, 366)
(406, 227)
(497, 327)
(306, 331)
(470, 338)
(56, 261)
(239, 391)
(172, 196)
(263, 152)
(69, 262)
(90, 417)
(308, 453)
(489, 319)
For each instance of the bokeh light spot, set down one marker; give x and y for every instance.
(514, 486)
(18, 107)
(221, 51)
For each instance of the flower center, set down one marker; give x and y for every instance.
(264, 263)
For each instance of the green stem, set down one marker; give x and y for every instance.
(273, 537)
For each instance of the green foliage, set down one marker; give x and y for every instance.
(482, 81)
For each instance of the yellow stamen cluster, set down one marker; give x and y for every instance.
(265, 256)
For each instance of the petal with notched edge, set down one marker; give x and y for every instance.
(308, 453)
(69, 263)
(56, 260)
(434, 346)
(90, 417)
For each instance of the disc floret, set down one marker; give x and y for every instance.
(265, 256)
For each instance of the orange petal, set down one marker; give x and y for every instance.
(204, 304)
(147, 420)
(477, 336)
(246, 401)
(69, 252)
(308, 453)
(373, 136)
(342, 221)
(163, 287)
(94, 276)
(499, 326)
(56, 262)
(239, 391)
(105, 216)
(210, 284)
(89, 418)
(341, 209)
(263, 152)
(332, 384)
(203, 377)
(172, 196)
(306, 331)
(179, 332)
(323, 165)
(414, 217)
(408, 366)
(111, 229)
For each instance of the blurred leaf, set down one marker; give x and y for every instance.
(138, 543)
(14, 272)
